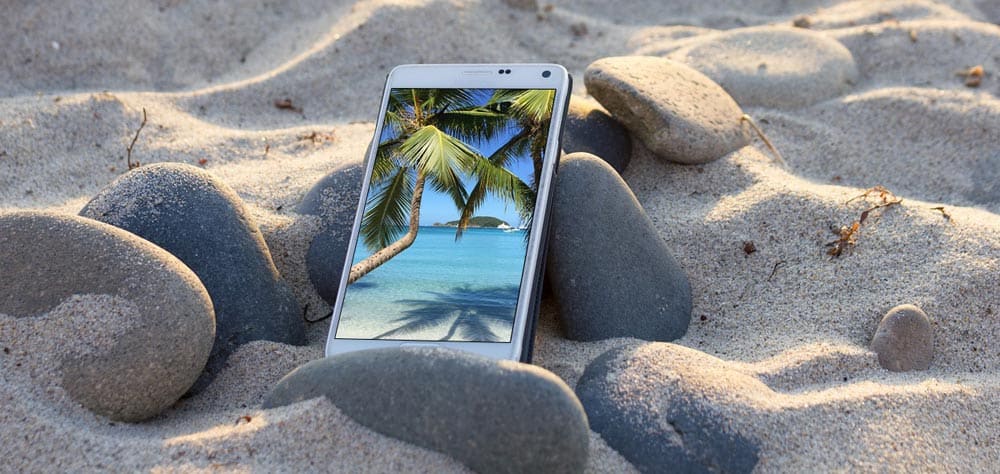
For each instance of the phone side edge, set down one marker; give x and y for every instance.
(527, 345)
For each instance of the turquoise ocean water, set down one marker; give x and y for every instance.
(439, 289)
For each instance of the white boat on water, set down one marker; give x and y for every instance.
(504, 227)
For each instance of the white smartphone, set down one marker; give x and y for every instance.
(448, 244)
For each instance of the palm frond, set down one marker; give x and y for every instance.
(535, 104)
(527, 209)
(472, 203)
(395, 121)
(495, 180)
(538, 143)
(439, 155)
(456, 191)
(386, 214)
(450, 99)
(517, 147)
(399, 99)
(473, 124)
(384, 164)
(501, 96)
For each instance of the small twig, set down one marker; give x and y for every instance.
(774, 270)
(128, 150)
(847, 239)
(760, 133)
(944, 213)
(883, 194)
(848, 235)
(864, 214)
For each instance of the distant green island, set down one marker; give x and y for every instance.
(478, 221)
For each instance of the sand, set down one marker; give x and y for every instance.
(75, 80)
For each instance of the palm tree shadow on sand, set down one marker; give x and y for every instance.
(464, 310)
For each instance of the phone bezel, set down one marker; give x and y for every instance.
(483, 76)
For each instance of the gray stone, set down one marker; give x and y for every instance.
(904, 340)
(334, 199)
(772, 66)
(588, 128)
(325, 260)
(202, 221)
(49, 258)
(655, 404)
(610, 270)
(494, 416)
(336, 195)
(678, 112)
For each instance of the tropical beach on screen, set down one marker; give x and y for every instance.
(461, 284)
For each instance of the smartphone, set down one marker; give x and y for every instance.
(448, 245)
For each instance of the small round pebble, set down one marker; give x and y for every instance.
(588, 128)
(129, 326)
(493, 416)
(610, 271)
(677, 112)
(904, 340)
(772, 66)
(202, 221)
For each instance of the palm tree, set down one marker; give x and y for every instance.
(532, 110)
(428, 131)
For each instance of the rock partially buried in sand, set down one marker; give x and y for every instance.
(494, 416)
(655, 404)
(202, 221)
(610, 270)
(678, 112)
(162, 314)
(334, 199)
(589, 129)
(772, 66)
(904, 340)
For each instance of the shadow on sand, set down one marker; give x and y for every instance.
(467, 312)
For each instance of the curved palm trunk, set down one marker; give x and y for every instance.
(376, 259)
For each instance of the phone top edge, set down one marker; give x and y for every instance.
(487, 75)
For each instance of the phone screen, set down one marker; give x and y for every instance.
(442, 244)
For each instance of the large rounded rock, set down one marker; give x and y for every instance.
(202, 221)
(156, 309)
(663, 407)
(610, 270)
(334, 199)
(904, 340)
(588, 128)
(679, 114)
(772, 66)
(494, 416)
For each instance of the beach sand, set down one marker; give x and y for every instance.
(76, 80)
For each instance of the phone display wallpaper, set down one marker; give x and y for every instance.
(444, 235)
